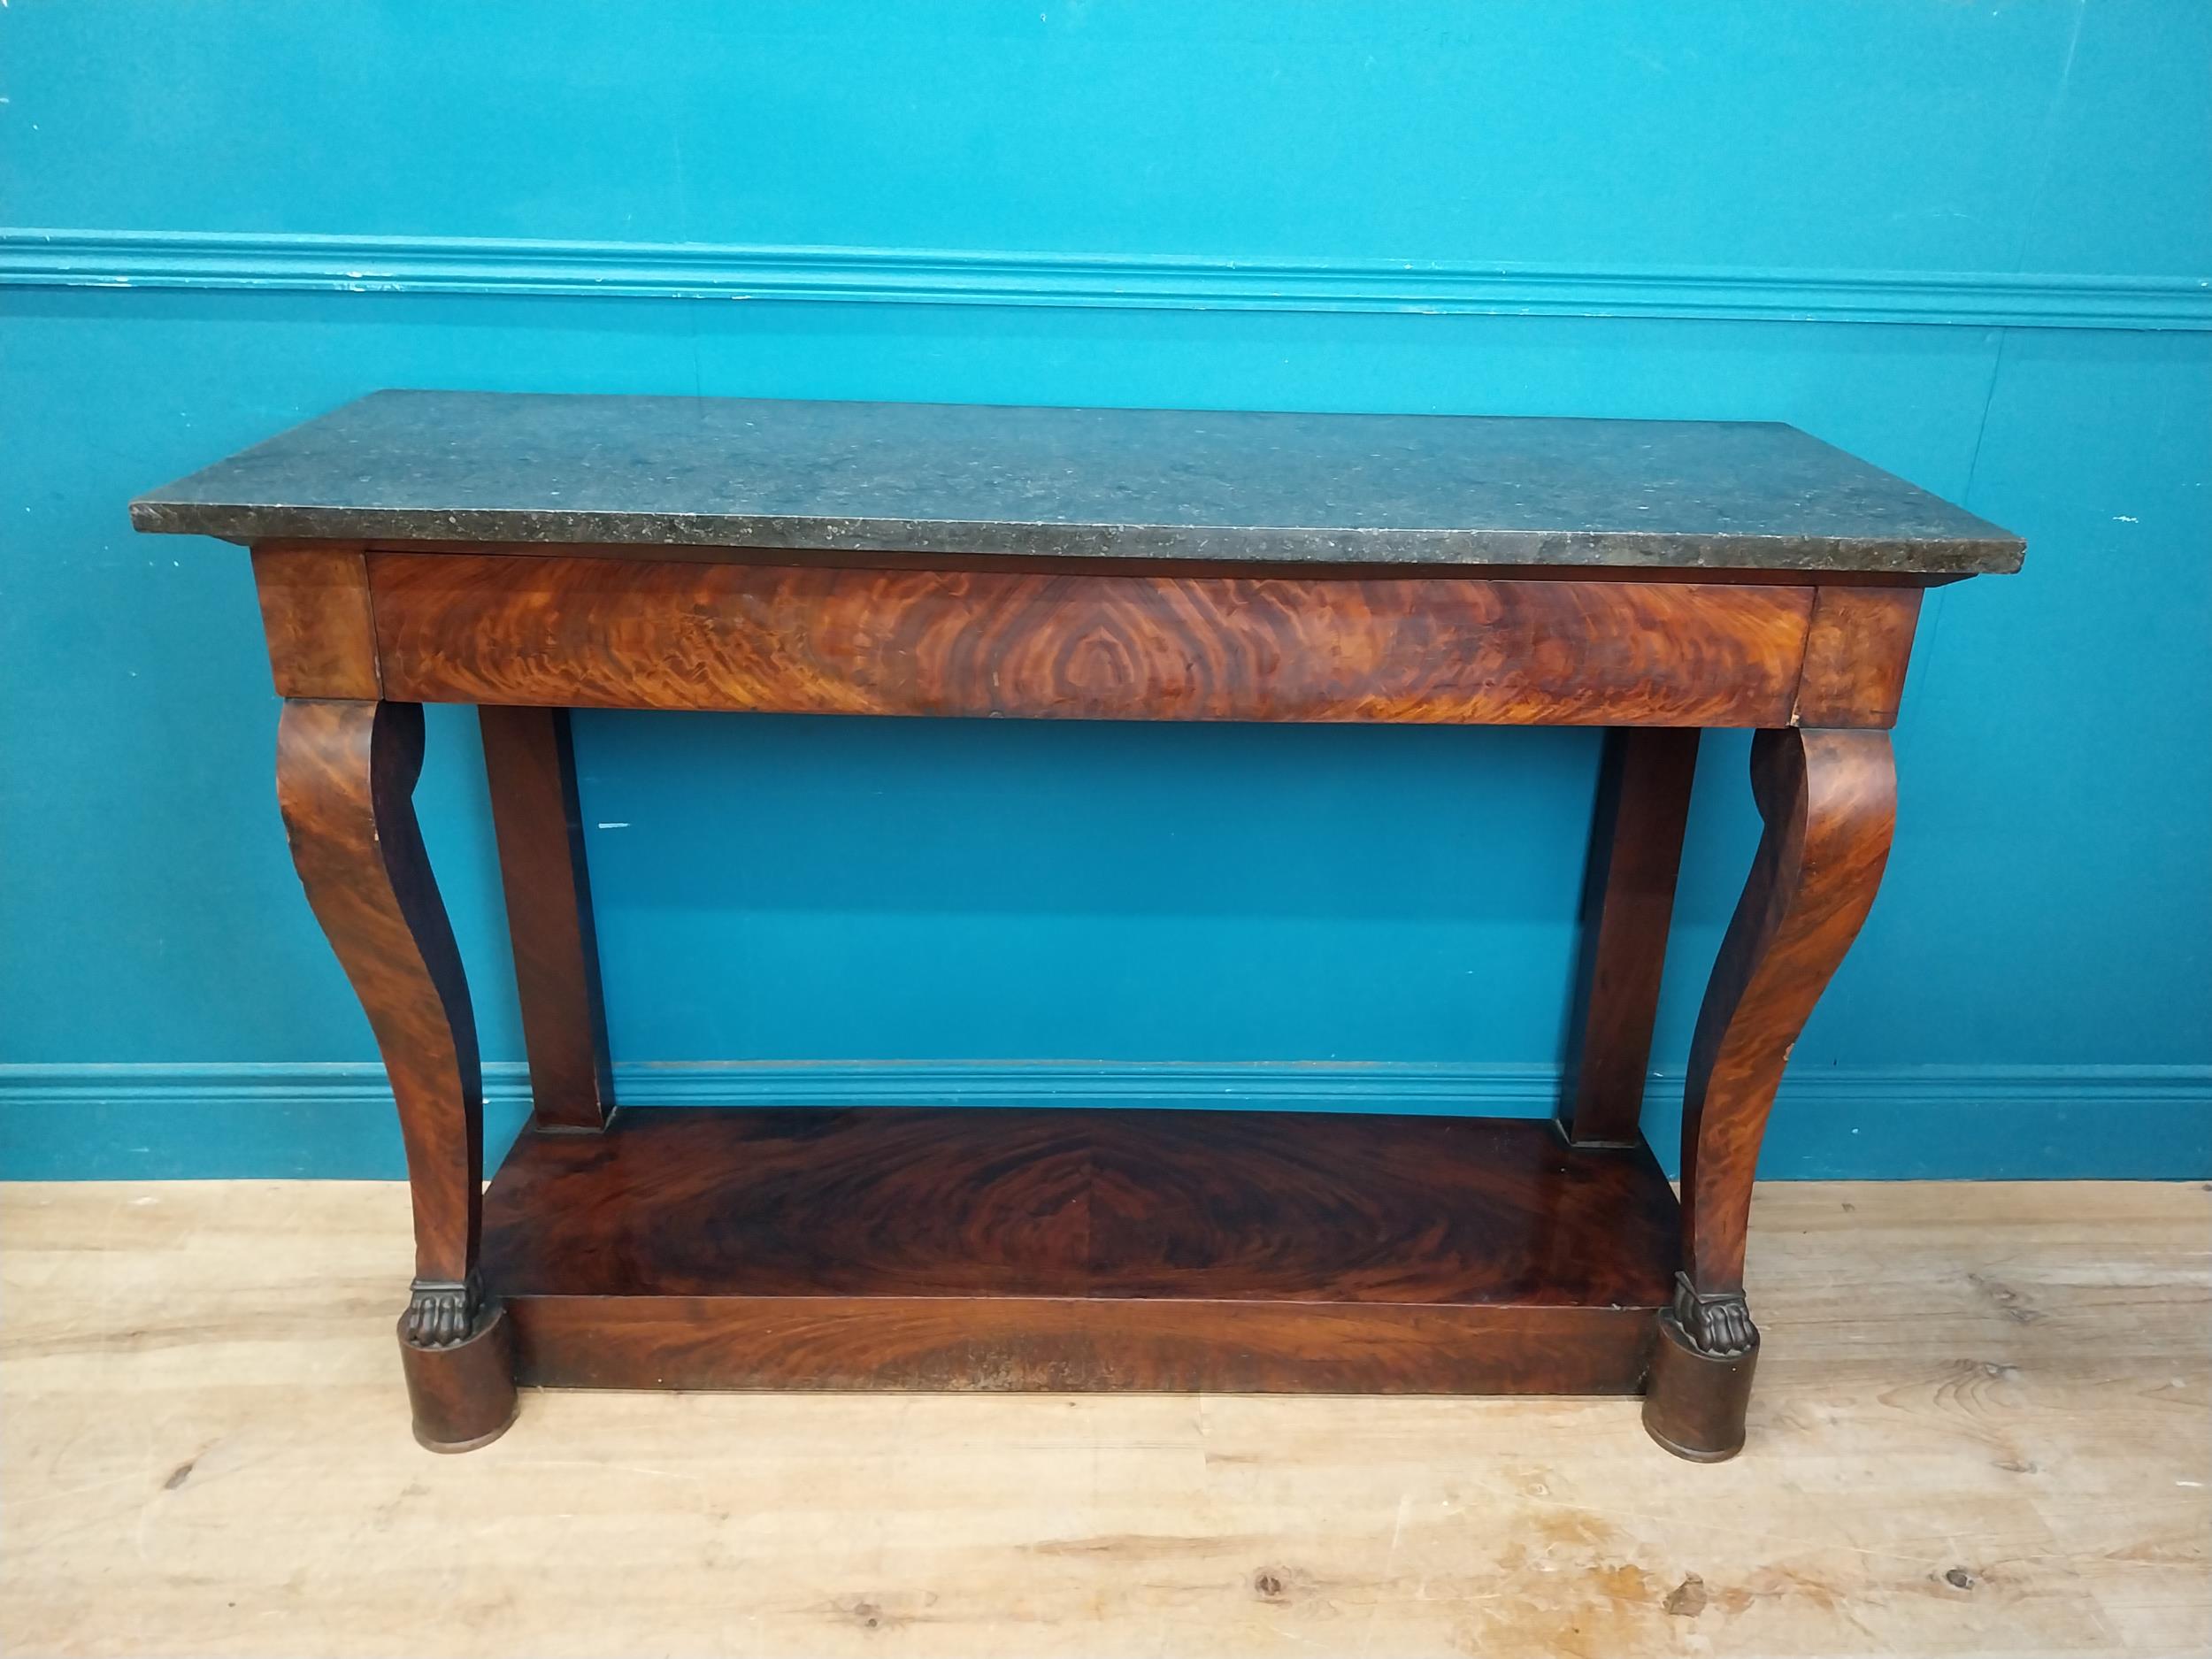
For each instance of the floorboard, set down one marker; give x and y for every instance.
(1982, 1427)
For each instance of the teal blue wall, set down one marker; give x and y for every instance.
(1969, 242)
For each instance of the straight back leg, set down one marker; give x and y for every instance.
(531, 764)
(1627, 904)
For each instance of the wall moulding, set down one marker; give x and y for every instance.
(301, 263)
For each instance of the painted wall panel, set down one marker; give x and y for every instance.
(843, 891)
(1899, 133)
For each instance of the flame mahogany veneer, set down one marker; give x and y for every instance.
(795, 640)
(1075, 1250)
(529, 554)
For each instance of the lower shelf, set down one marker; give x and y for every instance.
(1268, 1252)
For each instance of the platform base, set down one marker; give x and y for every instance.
(903, 1249)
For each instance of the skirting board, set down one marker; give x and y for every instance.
(89, 1122)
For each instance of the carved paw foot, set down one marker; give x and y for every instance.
(1718, 1325)
(440, 1316)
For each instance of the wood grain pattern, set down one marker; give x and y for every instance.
(315, 611)
(611, 634)
(530, 765)
(1857, 648)
(1643, 806)
(1829, 800)
(1065, 1248)
(1002, 1344)
(949, 1201)
(2005, 1381)
(346, 775)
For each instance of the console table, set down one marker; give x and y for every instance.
(531, 553)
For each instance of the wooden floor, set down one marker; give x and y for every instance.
(1982, 1426)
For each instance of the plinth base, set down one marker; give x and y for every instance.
(969, 1249)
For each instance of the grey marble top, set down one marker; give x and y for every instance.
(1123, 483)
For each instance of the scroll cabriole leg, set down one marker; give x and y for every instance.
(346, 774)
(1828, 799)
(531, 767)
